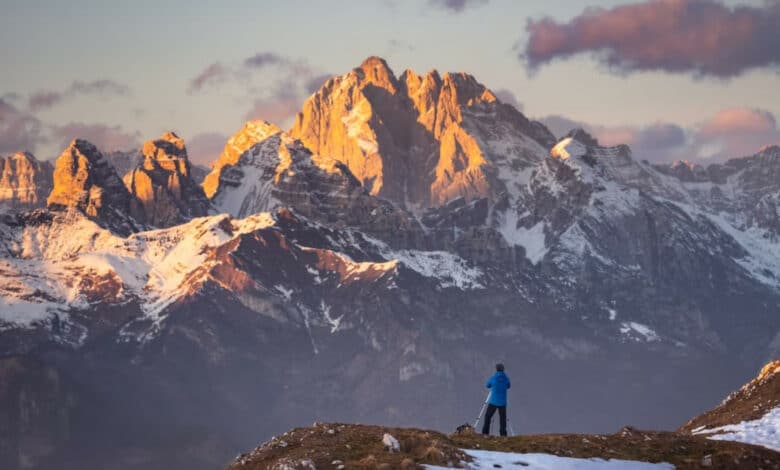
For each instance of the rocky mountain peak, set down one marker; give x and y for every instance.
(165, 193)
(583, 136)
(250, 134)
(84, 180)
(24, 181)
(420, 141)
(375, 71)
(167, 152)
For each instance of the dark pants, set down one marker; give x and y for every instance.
(491, 409)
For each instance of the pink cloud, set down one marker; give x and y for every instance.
(19, 131)
(106, 138)
(730, 133)
(204, 148)
(704, 37)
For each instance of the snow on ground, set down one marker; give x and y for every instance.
(451, 270)
(531, 239)
(764, 431)
(638, 331)
(763, 261)
(484, 459)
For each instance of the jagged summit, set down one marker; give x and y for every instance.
(250, 134)
(420, 140)
(164, 192)
(584, 137)
(85, 181)
(374, 70)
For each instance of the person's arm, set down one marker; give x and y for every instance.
(508, 382)
(489, 383)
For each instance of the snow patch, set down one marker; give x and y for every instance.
(484, 459)
(764, 431)
(638, 331)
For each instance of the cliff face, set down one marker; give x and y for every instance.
(85, 181)
(414, 138)
(165, 194)
(264, 169)
(24, 181)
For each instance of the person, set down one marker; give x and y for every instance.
(498, 384)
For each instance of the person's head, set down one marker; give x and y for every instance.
(500, 367)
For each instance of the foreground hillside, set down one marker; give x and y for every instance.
(329, 445)
(703, 442)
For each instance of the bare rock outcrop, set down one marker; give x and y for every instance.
(275, 170)
(84, 180)
(420, 140)
(165, 194)
(24, 182)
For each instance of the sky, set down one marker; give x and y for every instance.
(696, 80)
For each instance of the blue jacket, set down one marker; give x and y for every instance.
(498, 385)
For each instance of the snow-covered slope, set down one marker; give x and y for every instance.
(750, 415)
(60, 262)
(488, 460)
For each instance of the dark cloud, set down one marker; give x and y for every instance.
(730, 133)
(456, 6)
(19, 131)
(293, 79)
(315, 83)
(214, 74)
(11, 97)
(703, 37)
(398, 44)
(278, 108)
(45, 99)
(106, 138)
(263, 59)
(203, 149)
(506, 96)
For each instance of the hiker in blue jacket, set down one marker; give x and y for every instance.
(498, 384)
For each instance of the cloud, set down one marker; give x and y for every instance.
(46, 99)
(455, 6)
(204, 148)
(19, 131)
(735, 132)
(315, 83)
(106, 138)
(399, 44)
(702, 37)
(263, 59)
(506, 96)
(291, 81)
(730, 133)
(214, 74)
(278, 108)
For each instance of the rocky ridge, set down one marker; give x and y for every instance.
(25, 182)
(85, 181)
(164, 192)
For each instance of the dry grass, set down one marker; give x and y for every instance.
(360, 447)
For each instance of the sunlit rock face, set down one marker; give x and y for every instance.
(85, 181)
(24, 182)
(263, 169)
(164, 190)
(251, 133)
(420, 140)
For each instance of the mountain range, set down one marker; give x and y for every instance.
(370, 264)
